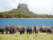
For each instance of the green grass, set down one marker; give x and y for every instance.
(18, 36)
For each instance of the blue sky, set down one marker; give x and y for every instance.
(36, 6)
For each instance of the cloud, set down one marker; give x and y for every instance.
(1, 8)
(7, 4)
(40, 6)
(36, 6)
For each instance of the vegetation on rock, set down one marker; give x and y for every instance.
(19, 13)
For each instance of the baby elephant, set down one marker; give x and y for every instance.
(2, 29)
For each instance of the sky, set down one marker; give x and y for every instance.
(36, 6)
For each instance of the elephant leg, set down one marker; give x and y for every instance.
(6, 31)
(2, 32)
(14, 31)
(37, 32)
(48, 31)
(52, 31)
(33, 32)
(23, 32)
(20, 32)
(29, 32)
(11, 32)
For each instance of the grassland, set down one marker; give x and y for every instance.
(18, 36)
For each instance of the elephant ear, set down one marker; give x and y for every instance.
(51, 28)
(24, 28)
(43, 27)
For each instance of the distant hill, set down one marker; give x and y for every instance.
(22, 12)
(16, 13)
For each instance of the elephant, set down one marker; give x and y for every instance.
(36, 28)
(43, 29)
(30, 29)
(15, 29)
(21, 29)
(50, 29)
(10, 28)
(2, 29)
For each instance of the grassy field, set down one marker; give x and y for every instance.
(18, 36)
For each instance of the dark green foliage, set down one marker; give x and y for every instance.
(19, 13)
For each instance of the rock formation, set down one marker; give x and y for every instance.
(23, 6)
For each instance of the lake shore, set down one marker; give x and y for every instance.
(26, 18)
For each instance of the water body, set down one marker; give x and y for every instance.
(26, 22)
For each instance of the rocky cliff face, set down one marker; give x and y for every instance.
(23, 6)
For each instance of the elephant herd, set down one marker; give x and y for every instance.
(22, 29)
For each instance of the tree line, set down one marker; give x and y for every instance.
(19, 13)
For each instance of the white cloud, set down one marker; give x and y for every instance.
(1, 8)
(40, 6)
(36, 6)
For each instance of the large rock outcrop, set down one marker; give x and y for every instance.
(23, 6)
